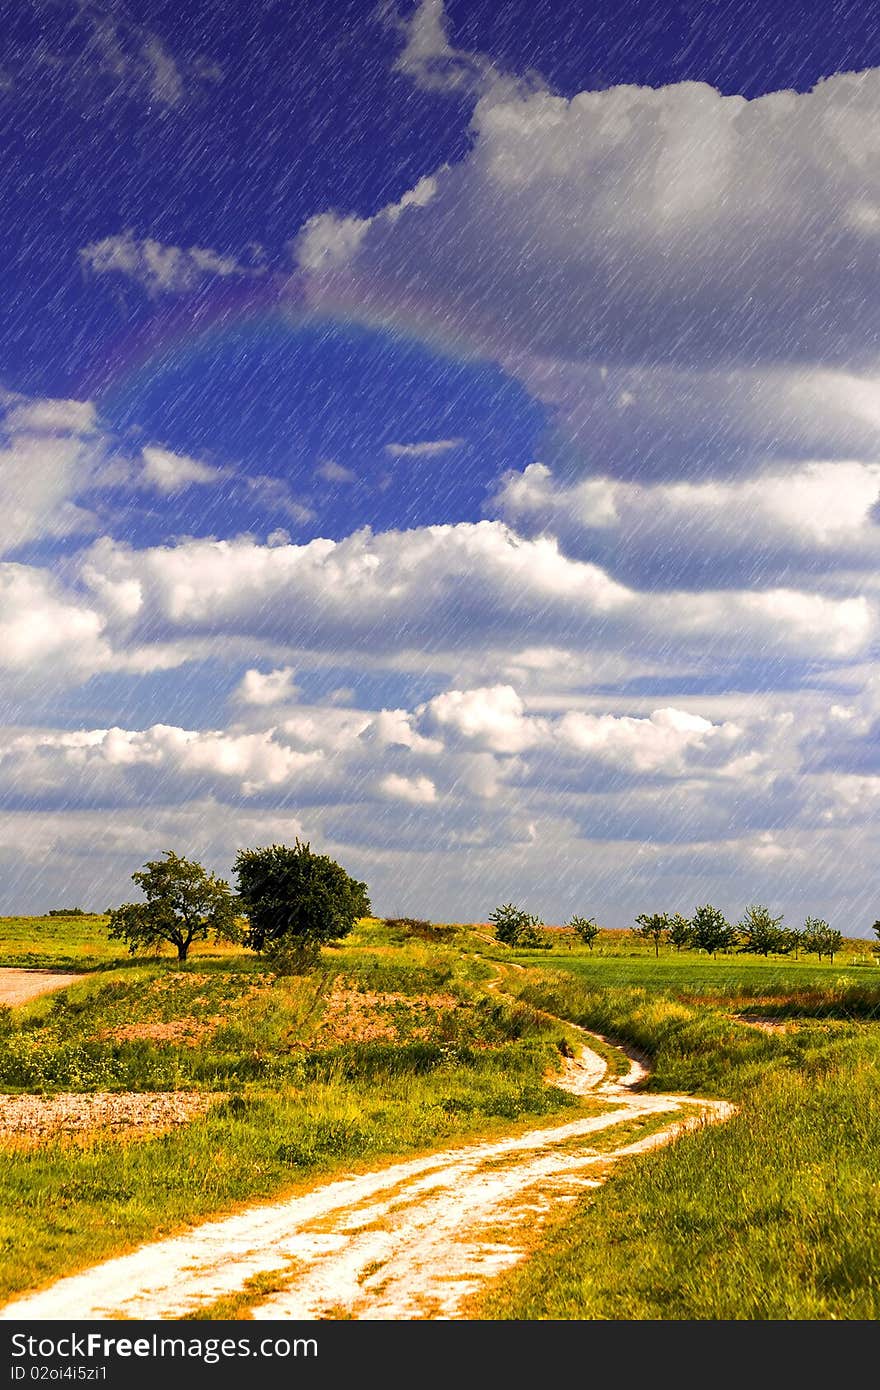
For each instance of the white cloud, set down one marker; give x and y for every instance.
(51, 453)
(638, 224)
(492, 717)
(35, 416)
(327, 240)
(419, 791)
(333, 472)
(428, 58)
(427, 448)
(158, 267)
(450, 588)
(169, 473)
(166, 82)
(42, 628)
(267, 688)
(809, 513)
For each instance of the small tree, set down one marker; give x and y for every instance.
(833, 943)
(585, 929)
(531, 937)
(711, 930)
(761, 932)
(796, 941)
(653, 927)
(295, 901)
(510, 922)
(183, 904)
(679, 933)
(820, 939)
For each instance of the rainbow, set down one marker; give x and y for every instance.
(261, 308)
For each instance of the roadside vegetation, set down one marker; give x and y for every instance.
(391, 1046)
(313, 1041)
(773, 1215)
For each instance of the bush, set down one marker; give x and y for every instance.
(296, 901)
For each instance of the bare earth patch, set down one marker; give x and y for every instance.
(72, 1112)
(20, 986)
(183, 1032)
(357, 1016)
(766, 1025)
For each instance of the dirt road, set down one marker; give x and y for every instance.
(411, 1240)
(20, 986)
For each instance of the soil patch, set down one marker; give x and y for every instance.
(71, 1112)
(20, 986)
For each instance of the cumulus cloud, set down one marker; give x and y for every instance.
(639, 224)
(42, 627)
(267, 688)
(327, 240)
(470, 770)
(51, 453)
(447, 587)
(418, 790)
(810, 517)
(160, 268)
(169, 473)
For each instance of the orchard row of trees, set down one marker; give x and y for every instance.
(288, 902)
(759, 932)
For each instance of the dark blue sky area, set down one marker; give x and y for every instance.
(288, 109)
(303, 112)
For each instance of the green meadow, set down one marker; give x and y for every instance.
(396, 1045)
(392, 1047)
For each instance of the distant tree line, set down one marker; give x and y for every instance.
(758, 933)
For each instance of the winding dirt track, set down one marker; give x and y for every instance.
(411, 1240)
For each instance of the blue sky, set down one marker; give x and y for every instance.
(450, 433)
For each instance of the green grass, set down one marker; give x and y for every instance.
(772, 1215)
(302, 1099)
(691, 973)
(57, 943)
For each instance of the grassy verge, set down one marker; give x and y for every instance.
(391, 1049)
(773, 1215)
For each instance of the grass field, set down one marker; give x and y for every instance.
(774, 1215)
(392, 1047)
(395, 1046)
(688, 972)
(58, 943)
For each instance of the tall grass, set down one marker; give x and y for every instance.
(773, 1215)
(296, 1102)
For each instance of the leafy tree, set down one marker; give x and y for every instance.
(653, 927)
(761, 932)
(711, 930)
(679, 932)
(184, 903)
(531, 937)
(796, 940)
(833, 943)
(512, 922)
(585, 929)
(295, 901)
(821, 939)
